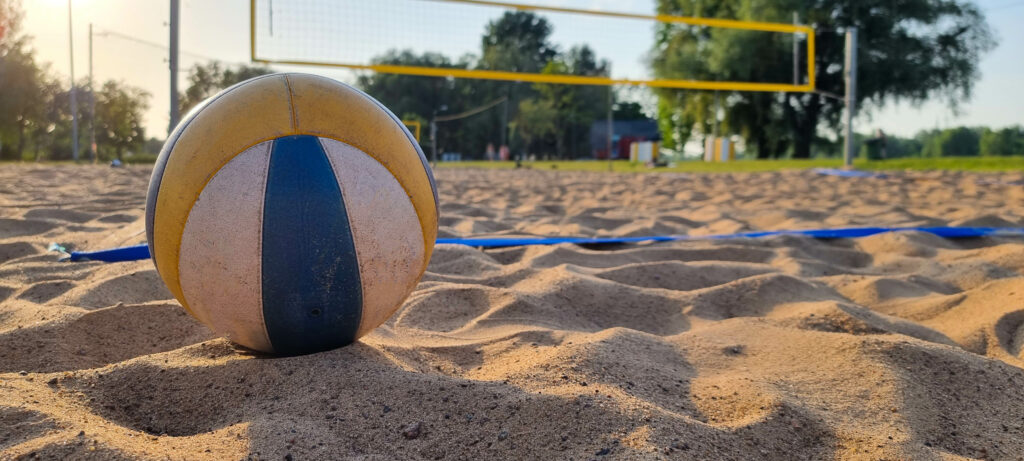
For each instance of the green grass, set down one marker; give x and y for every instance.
(948, 163)
(943, 163)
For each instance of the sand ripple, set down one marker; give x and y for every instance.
(895, 346)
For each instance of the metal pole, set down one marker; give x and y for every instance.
(92, 105)
(173, 60)
(610, 127)
(851, 94)
(796, 51)
(714, 126)
(74, 97)
(504, 116)
(433, 137)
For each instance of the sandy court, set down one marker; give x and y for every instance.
(896, 346)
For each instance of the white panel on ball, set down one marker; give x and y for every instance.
(220, 258)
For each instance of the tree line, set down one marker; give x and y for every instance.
(951, 142)
(908, 51)
(35, 107)
(539, 118)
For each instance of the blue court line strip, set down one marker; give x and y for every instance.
(137, 252)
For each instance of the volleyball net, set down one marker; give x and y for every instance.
(356, 34)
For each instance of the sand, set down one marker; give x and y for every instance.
(896, 346)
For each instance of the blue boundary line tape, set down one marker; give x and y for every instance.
(137, 252)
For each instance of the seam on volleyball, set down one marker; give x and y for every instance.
(423, 239)
(291, 104)
(198, 110)
(352, 231)
(189, 118)
(193, 205)
(426, 254)
(181, 287)
(259, 244)
(181, 238)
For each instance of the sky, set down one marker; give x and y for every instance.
(219, 30)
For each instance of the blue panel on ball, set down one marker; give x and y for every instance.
(312, 296)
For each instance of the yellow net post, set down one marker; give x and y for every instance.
(413, 125)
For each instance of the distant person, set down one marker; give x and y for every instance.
(490, 154)
(875, 145)
(504, 153)
(880, 136)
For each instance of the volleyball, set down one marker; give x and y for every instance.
(291, 213)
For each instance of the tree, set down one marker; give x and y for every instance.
(51, 121)
(119, 124)
(517, 42)
(720, 54)
(419, 98)
(955, 142)
(576, 107)
(21, 106)
(407, 94)
(153, 146)
(35, 113)
(35, 108)
(20, 83)
(536, 121)
(205, 80)
(911, 50)
(10, 22)
(1007, 141)
(629, 111)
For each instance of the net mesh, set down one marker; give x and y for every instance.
(358, 33)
